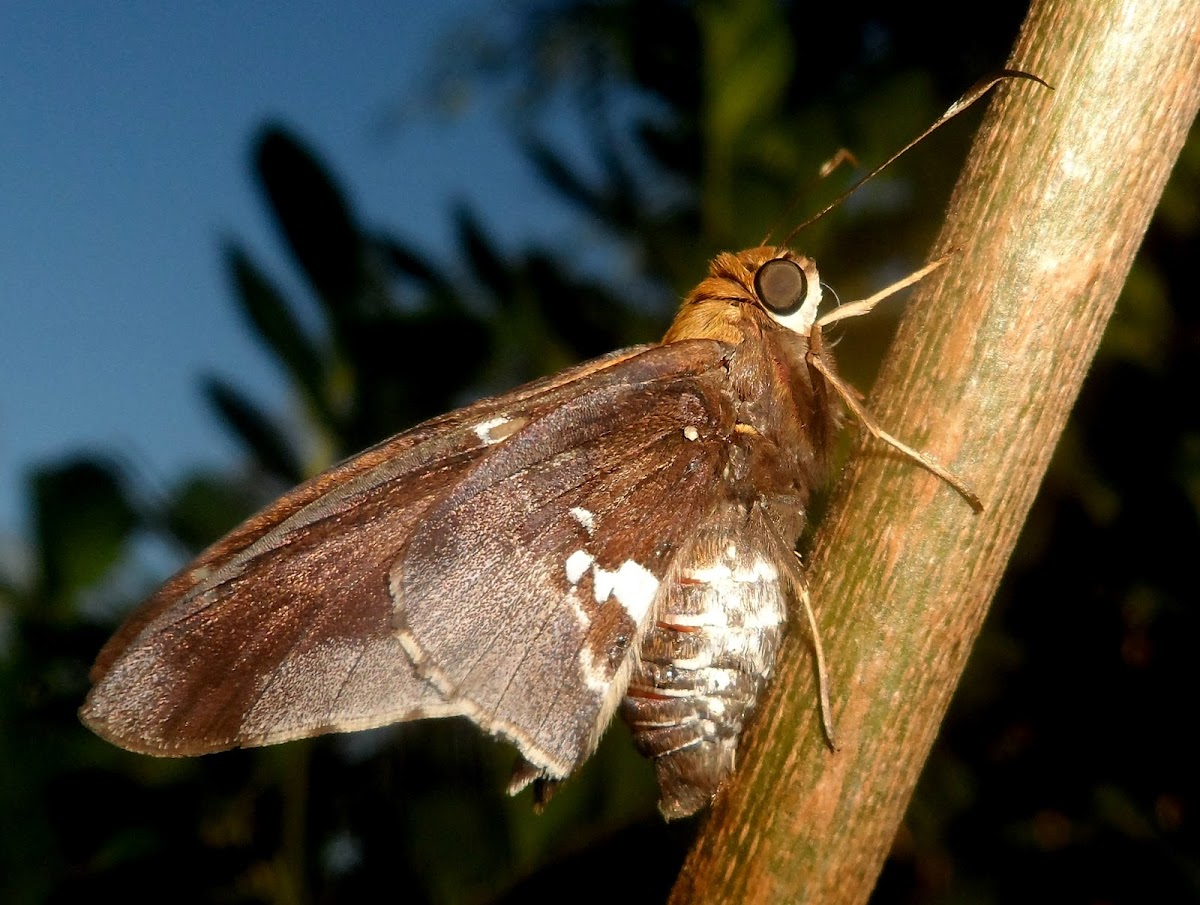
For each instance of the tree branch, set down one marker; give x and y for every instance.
(1051, 207)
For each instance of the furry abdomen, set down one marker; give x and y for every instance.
(703, 664)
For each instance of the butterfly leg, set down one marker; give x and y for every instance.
(816, 360)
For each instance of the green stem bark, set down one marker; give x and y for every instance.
(1049, 211)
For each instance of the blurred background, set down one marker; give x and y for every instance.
(238, 244)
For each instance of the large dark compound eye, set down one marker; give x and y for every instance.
(781, 286)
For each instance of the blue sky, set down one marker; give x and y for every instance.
(124, 159)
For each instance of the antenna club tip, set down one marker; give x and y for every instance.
(1023, 74)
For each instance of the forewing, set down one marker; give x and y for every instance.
(284, 628)
(525, 589)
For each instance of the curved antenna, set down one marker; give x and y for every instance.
(840, 157)
(974, 93)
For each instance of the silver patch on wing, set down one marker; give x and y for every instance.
(496, 429)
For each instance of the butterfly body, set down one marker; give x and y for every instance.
(617, 536)
(620, 532)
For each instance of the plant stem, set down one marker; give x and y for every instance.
(1048, 213)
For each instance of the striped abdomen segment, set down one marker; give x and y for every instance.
(703, 665)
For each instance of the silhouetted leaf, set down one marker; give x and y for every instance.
(407, 262)
(554, 169)
(83, 519)
(316, 221)
(265, 441)
(486, 262)
(273, 321)
(588, 316)
(203, 506)
(411, 367)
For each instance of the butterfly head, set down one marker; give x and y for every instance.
(752, 287)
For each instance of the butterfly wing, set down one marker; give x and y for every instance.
(555, 547)
(389, 587)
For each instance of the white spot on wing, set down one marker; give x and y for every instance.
(594, 677)
(484, 429)
(581, 615)
(585, 518)
(577, 565)
(632, 585)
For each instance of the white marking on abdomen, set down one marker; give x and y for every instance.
(764, 617)
(761, 571)
(709, 574)
(701, 661)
